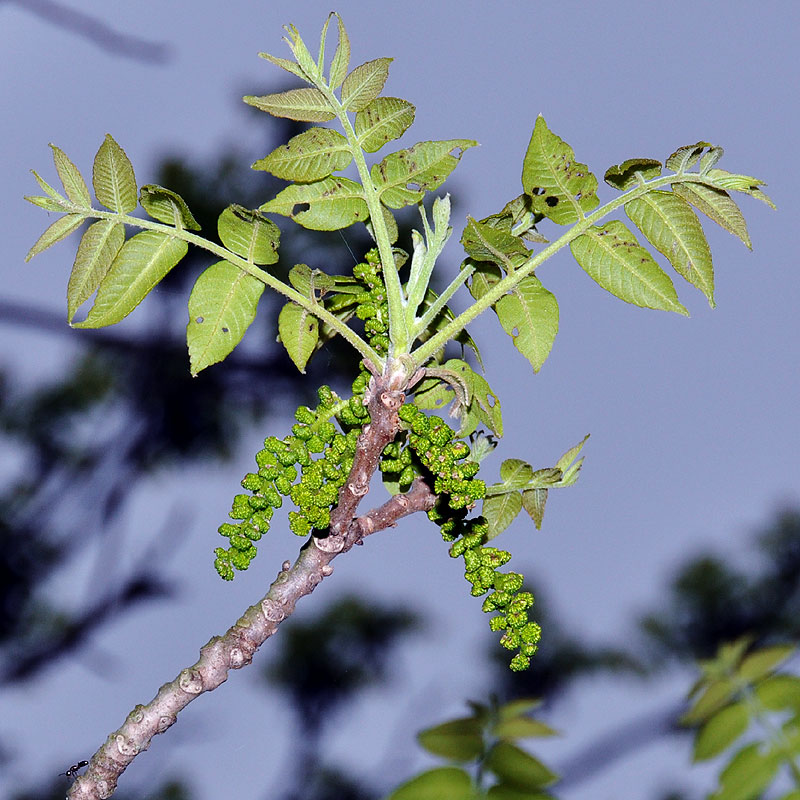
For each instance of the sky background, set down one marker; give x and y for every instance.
(694, 421)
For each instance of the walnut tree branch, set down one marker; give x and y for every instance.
(236, 648)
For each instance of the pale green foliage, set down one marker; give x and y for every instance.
(741, 692)
(487, 740)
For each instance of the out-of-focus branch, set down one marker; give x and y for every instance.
(237, 647)
(96, 31)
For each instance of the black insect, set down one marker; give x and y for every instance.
(73, 770)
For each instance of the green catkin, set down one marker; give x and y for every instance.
(438, 450)
(312, 463)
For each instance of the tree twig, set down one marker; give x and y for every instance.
(236, 648)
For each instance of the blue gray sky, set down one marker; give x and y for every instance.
(694, 421)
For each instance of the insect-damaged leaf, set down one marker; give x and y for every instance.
(402, 178)
(141, 263)
(625, 175)
(529, 314)
(249, 234)
(560, 187)
(113, 178)
(303, 105)
(325, 205)
(96, 252)
(611, 256)
(299, 332)
(384, 119)
(309, 156)
(167, 206)
(364, 84)
(672, 228)
(484, 242)
(222, 305)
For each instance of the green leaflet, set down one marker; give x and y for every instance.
(519, 769)
(717, 205)
(500, 511)
(402, 178)
(756, 665)
(484, 242)
(749, 772)
(484, 277)
(381, 121)
(529, 314)
(303, 105)
(113, 179)
(720, 731)
(534, 501)
(626, 175)
(364, 84)
(672, 228)
(166, 206)
(299, 332)
(222, 305)
(96, 252)
(515, 473)
(684, 158)
(341, 57)
(613, 258)
(46, 187)
(561, 188)
(141, 263)
(309, 156)
(442, 783)
(325, 205)
(728, 181)
(59, 230)
(311, 282)
(458, 739)
(74, 184)
(47, 203)
(285, 64)
(249, 234)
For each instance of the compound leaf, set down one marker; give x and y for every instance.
(141, 263)
(59, 230)
(249, 234)
(303, 105)
(325, 205)
(402, 178)
(167, 206)
(299, 332)
(529, 314)
(96, 252)
(613, 258)
(672, 228)
(74, 184)
(717, 205)
(222, 305)
(364, 84)
(561, 188)
(309, 156)
(382, 120)
(113, 178)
